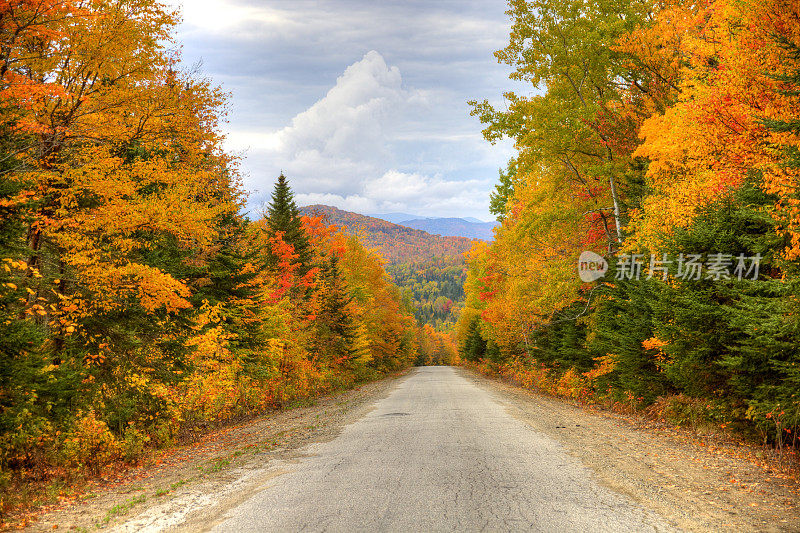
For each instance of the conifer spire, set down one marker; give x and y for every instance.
(284, 216)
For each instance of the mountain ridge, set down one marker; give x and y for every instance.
(394, 242)
(395, 218)
(469, 227)
(454, 227)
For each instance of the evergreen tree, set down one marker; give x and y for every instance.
(562, 342)
(791, 79)
(336, 332)
(284, 216)
(623, 321)
(473, 347)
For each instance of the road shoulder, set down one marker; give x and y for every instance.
(209, 476)
(697, 485)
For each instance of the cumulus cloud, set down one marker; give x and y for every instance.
(361, 104)
(399, 191)
(350, 122)
(396, 186)
(342, 149)
(343, 138)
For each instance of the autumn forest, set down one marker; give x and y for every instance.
(141, 304)
(138, 304)
(664, 137)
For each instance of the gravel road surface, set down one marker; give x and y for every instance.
(438, 454)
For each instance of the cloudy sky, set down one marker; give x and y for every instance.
(361, 103)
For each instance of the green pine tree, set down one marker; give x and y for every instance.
(336, 331)
(284, 216)
(473, 347)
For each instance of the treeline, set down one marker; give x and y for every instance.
(395, 243)
(434, 289)
(429, 270)
(136, 303)
(435, 347)
(664, 136)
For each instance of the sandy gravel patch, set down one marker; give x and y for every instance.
(700, 482)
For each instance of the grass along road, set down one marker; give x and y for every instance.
(444, 449)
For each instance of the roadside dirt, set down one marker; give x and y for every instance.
(696, 481)
(224, 465)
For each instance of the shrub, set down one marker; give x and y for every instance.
(90, 445)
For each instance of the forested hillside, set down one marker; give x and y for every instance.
(395, 243)
(136, 303)
(434, 289)
(429, 269)
(664, 137)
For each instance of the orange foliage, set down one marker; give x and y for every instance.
(705, 145)
(395, 243)
(138, 292)
(583, 387)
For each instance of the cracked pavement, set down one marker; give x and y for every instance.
(438, 454)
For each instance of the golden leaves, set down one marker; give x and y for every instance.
(129, 211)
(156, 289)
(705, 144)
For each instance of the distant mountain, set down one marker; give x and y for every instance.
(396, 218)
(454, 227)
(396, 243)
(468, 227)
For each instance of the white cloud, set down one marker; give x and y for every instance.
(362, 136)
(398, 191)
(350, 121)
(221, 16)
(342, 150)
(342, 140)
(407, 188)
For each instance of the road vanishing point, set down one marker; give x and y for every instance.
(437, 454)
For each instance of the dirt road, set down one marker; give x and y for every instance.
(439, 450)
